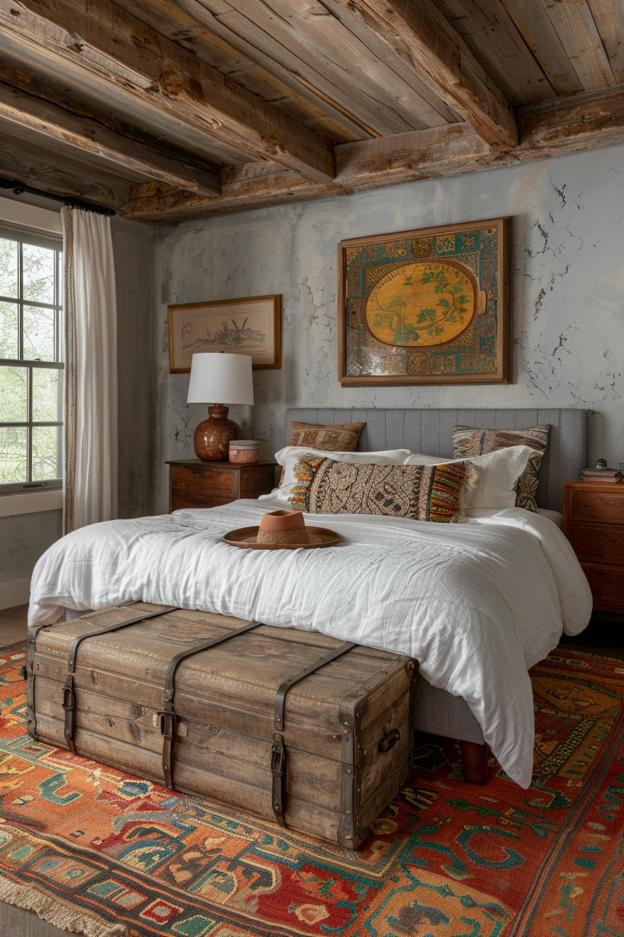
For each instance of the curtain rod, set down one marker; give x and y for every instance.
(20, 187)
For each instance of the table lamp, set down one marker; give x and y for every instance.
(224, 377)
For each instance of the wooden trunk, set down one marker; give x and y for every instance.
(346, 730)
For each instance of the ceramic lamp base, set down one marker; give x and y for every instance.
(212, 436)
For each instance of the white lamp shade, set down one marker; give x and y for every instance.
(217, 377)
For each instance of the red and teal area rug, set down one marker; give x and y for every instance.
(102, 853)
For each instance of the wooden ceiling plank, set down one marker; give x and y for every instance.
(580, 38)
(380, 49)
(609, 19)
(115, 48)
(424, 38)
(272, 40)
(354, 100)
(188, 23)
(143, 115)
(492, 37)
(88, 135)
(537, 30)
(323, 40)
(582, 122)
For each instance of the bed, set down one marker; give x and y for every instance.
(180, 560)
(431, 431)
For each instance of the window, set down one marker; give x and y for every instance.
(31, 362)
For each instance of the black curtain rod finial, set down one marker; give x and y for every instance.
(20, 188)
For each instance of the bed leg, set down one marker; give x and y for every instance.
(475, 759)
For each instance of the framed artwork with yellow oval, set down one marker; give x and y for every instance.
(426, 307)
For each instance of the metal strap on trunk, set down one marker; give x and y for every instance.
(278, 751)
(167, 716)
(33, 631)
(69, 694)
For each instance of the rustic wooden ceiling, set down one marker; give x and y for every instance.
(168, 109)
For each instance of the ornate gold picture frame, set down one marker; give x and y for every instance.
(429, 306)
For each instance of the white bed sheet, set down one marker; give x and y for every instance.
(555, 516)
(477, 604)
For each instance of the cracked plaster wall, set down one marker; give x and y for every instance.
(568, 294)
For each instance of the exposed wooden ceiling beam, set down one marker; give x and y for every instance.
(101, 43)
(404, 157)
(88, 135)
(584, 121)
(423, 38)
(70, 177)
(567, 125)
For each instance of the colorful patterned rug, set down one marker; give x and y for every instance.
(101, 853)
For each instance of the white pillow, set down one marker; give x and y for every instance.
(290, 455)
(499, 472)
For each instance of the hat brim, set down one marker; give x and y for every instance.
(311, 538)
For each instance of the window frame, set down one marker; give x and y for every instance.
(24, 235)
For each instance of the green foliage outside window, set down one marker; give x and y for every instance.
(30, 362)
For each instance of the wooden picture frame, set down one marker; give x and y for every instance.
(250, 325)
(476, 255)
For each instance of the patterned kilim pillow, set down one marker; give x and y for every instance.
(437, 493)
(528, 483)
(341, 437)
(468, 443)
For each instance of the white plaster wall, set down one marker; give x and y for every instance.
(568, 294)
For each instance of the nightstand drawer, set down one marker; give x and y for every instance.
(604, 506)
(597, 542)
(607, 586)
(194, 484)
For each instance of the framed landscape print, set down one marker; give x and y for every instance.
(251, 326)
(425, 307)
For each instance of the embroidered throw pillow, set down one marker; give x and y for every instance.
(341, 437)
(469, 442)
(436, 493)
(289, 456)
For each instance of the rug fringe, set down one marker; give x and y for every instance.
(57, 912)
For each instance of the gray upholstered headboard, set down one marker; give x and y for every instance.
(430, 431)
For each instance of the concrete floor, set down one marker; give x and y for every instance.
(604, 636)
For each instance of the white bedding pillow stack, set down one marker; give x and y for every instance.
(290, 455)
(499, 472)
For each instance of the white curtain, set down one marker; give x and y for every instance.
(91, 369)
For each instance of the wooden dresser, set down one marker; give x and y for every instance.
(593, 519)
(196, 484)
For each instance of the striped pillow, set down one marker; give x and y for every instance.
(437, 493)
(338, 437)
(468, 443)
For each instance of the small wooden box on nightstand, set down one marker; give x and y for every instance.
(593, 519)
(196, 484)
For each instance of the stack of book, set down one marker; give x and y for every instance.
(608, 475)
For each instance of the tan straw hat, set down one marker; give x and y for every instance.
(282, 530)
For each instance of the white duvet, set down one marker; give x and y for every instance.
(476, 604)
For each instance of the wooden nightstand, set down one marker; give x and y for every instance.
(196, 484)
(593, 519)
